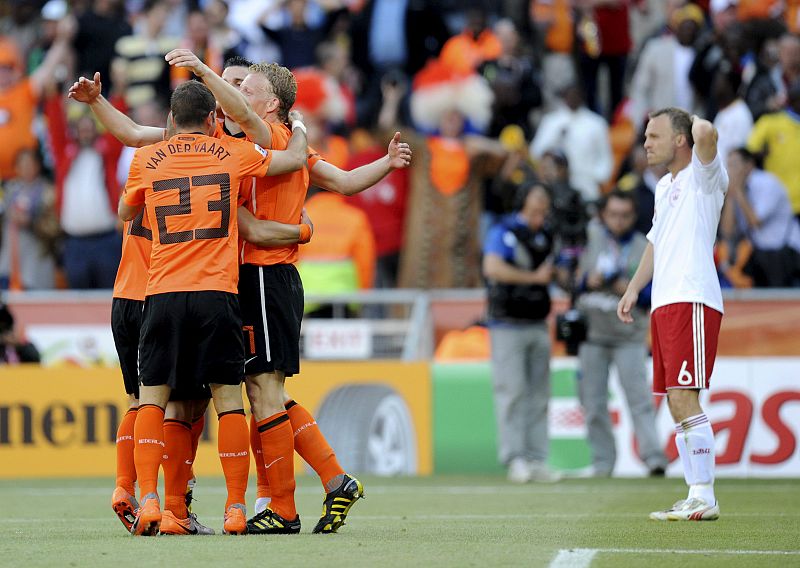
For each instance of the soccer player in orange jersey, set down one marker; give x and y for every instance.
(191, 328)
(341, 490)
(271, 296)
(127, 305)
(184, 420)
(185, 412)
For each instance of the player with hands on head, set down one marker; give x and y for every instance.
(686, 300)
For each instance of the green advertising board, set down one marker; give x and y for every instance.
(464, 429)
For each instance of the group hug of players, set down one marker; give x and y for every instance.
(207, 297)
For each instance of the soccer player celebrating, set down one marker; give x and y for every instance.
(686, 295)
(185, 413)
(191, 327)
(271, 296)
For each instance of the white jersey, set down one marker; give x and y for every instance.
(687, 212)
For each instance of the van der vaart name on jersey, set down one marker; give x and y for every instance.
(185, 148)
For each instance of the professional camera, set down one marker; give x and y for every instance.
(571, 328)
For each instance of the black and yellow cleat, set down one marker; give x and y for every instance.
(337, 504)
(270, 522)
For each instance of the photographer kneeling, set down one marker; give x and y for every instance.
(611, 257)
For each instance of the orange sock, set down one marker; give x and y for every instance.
(177, 451)
(126, 470)
(197, 431)
(277, 444)
(234, 454)
(148, 436)
(312, 445)
(262, 483)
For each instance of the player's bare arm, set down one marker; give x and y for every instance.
(294, 157)
(328, 176)
(233, 104)
(643, 275)
(122, 127)
(126, 211)
(266, 233)
(705, 139)
(44, 75)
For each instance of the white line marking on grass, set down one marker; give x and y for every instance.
(573, 558)
(593, 515)
(707, 551)
(582, 557)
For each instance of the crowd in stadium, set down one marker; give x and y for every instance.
(490, 95)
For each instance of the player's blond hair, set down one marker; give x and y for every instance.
(284, 85)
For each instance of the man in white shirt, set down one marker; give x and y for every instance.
(582, 135)
(686, 296)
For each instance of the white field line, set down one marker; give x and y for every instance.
(582, 557)
(573, 558)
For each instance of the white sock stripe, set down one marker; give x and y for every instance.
(694, 421)
(678, 428)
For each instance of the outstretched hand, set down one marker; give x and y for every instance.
(399, 153)
(84, 90)
(186, 59)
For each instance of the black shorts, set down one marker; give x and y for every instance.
(126, 323)
(191, 340)
(271, 298)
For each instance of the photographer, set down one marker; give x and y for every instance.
(610, 259)
(518, 268)
(13, 349)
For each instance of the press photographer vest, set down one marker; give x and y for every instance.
(517, 303)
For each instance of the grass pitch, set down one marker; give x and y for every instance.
(433, 521)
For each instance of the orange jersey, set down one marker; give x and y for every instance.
(190, 188)
(278, 198)
(137, 241)
(17, 110)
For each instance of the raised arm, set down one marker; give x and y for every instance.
(44, 75)
(328, 176)
(643, 275)
(229, 98)
(118, 124)
(705, 139)
(271, 233)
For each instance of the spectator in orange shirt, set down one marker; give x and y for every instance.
(477, 43)
(19, 95)
(341, 256)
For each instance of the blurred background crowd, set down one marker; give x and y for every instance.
(492, 95)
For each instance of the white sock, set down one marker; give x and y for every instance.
(680, 443)
(699, 438)
(262, 503)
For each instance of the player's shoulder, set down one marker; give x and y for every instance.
(244, 146)
(151, 148)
